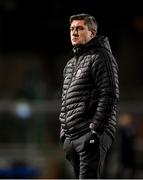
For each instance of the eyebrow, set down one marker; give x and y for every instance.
(76, 26)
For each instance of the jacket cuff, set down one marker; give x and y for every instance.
(96, 127)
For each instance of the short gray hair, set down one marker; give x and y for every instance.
(90, 21)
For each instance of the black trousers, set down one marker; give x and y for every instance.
(87, 154)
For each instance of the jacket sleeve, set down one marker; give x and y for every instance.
(105, 76)
(62, 135)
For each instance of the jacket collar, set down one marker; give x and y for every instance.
(97, 42)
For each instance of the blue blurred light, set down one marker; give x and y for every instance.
(23, 110)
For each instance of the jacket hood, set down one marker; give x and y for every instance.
(97, 42)
(103, 42)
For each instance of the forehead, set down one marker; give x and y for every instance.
(78, 23)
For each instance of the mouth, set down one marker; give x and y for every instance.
(74, 39)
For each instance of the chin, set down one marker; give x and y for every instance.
(75, 44)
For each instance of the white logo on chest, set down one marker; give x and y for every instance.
(78, 73)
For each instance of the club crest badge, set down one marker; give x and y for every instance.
(78, 74)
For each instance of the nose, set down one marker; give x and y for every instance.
(75, 32)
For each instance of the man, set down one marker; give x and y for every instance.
(89, 99)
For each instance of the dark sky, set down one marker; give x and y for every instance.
(42, 26)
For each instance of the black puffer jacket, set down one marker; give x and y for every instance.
(90, 90)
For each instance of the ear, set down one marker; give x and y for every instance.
(93, 33)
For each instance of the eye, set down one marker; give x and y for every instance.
(71, 29)
(80, 28)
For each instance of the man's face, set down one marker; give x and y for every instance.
(79, 33)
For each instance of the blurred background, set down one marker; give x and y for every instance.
(34, 48)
